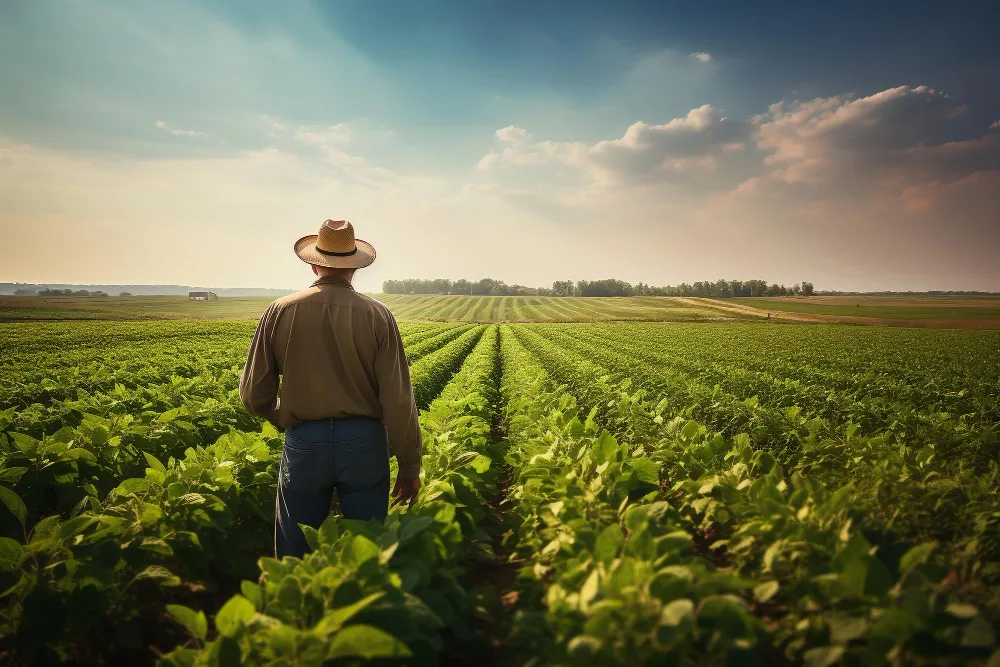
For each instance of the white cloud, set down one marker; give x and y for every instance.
(180, 133)
(323, 136)
(702, 56)
(511, 133)
(6, 159)
(889, 141)
(645, 153)
(995, 125)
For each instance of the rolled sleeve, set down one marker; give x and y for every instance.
(395, 395)
(260, 379)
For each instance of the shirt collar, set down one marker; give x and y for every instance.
(333, 280)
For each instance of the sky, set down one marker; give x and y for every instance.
(855, 145)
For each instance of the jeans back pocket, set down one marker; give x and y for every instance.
(298, 466)
(367, 462)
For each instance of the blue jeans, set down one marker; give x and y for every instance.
(350, 455)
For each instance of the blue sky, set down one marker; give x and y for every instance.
(845, 143)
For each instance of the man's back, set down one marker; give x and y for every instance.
(339, 354)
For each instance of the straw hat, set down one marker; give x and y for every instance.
(336, 247)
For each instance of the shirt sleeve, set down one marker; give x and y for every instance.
(259, 382)
(395, 395)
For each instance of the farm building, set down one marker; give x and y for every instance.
(202, 296)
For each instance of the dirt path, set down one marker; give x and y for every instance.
(740, 309)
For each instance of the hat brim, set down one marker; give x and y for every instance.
(306, 250)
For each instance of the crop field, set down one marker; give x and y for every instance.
(616, 493)
(943, 312)
(914, 307)
(546, 308)
(18, 308)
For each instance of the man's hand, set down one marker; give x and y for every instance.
(405, 490)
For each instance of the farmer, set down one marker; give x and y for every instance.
(346, 399)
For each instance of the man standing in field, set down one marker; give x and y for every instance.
(345, 398)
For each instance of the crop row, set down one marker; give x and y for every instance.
(126, 511)
(808, 572)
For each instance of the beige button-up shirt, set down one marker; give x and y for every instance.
(339, 354)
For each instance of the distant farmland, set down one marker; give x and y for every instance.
(951, 312)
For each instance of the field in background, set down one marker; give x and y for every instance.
(546, 308)
(894, 307)
(629, 492)
(15, 308)
(952, 312)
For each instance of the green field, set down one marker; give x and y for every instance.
(405, 307)
(940, 312)
(906, 308)
(621, 493)
(14, 308)
(545, 308)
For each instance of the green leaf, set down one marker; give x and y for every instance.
(234, 615)
(159, 573)
(289, 593)
(12, 475)
(311, 535)
(646, 470)
(334, 620)
(14, 504)
(360, 549)
(134, 485)
(412, 525)
(676, 612)
(226, 653)
(154, 462)
(179, 657)
(10, 553)
(584, 646)
(367, 642)
(766, 591)
(193, 621)
(916, 556)
(823, 656)
(329, 530)
(589, 589)
(25, 443)
(251, 591)
(608, 543)
(480, 464)
(605, 448)
(846, 628)
(961, 610)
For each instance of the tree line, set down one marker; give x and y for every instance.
(69, 292)
(609, 287)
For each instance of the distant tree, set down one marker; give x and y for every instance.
(25, 292)
(607, 287)
(562, 288)
(124, 294)
(720, 288)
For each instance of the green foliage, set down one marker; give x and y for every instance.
(674, 495)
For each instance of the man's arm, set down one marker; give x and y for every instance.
(399, 410)
(259, 382)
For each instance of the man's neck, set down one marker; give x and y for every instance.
(333, 279)
(346, 276)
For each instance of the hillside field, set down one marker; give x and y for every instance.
(619, 493)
